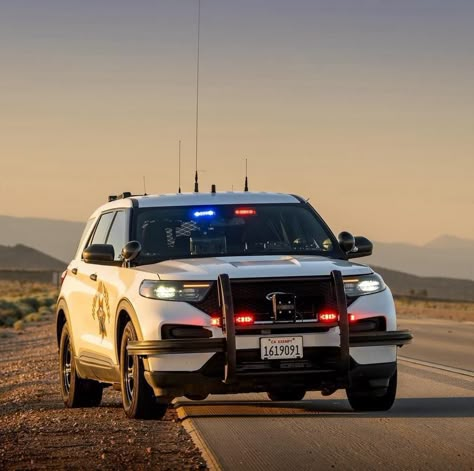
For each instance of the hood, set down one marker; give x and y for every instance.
(252, 267)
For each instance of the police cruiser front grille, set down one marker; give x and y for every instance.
(312, 295)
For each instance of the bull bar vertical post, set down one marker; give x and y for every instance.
(341, 303)
(228, 327)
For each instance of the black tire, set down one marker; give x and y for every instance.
(371, 400)
(76, 392)
(287, 395)
(138, 399)
(196, 397)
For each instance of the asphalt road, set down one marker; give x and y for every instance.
(439, 341)
(431, 425)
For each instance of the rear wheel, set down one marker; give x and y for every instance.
(369, 399)
(286, 395)
(76, 392)
(139, 401)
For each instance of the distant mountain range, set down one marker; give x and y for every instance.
(403, 284)
(447, 256)
(21, 257)
(56, 238)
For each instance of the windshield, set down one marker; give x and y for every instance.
(272, 229)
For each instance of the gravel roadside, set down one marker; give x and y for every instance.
(37, 432)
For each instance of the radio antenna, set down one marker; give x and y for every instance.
(196, 180)
(179, 166)
(144, 186)
(246, 187)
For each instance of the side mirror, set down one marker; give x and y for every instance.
(346, 241)
(131, 251)
(99, 253)
(363, 248)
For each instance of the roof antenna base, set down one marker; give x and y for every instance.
(246, 186)
(196, 183)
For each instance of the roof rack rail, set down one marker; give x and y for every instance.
(125, 194)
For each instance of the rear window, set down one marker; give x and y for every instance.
(186, 232)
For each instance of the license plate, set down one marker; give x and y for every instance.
(281, 348)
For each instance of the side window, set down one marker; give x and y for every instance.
(102, 229)
(85, 235)
(118, 233)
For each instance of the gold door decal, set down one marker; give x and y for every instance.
(101, 308)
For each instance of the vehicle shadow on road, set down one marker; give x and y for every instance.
(434, 407)
(420, 407)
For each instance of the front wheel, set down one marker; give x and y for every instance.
(139, 401)
(76, 392)
(370, 400)
(196, 397)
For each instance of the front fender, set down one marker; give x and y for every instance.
(61, 307)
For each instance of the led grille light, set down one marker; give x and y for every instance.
(244, 319)
(328, 317)
(333, 317)
(239, 319)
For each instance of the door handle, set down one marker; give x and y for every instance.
(74, 271)
(93, 277)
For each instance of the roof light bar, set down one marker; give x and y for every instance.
(204, 213)
(245, 212)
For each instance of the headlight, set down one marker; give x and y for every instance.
(175, 290)
(364, 284)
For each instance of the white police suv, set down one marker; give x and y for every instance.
(197, 294)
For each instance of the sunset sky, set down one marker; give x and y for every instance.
(366, 107)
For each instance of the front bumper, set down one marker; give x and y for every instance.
(208, 380)
(217, 345)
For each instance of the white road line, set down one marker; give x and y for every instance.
(437, 366)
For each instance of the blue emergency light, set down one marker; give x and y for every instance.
(204, 213)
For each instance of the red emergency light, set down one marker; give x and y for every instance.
(239, 319)
(244, 319)
(245, 212)
(328, 317)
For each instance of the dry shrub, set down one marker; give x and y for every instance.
(33, 317)
(18, 325)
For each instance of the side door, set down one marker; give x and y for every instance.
(87, 304)
(110, 289)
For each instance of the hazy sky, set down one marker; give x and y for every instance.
(366, 107)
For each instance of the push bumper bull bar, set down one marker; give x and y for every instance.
(227, 343)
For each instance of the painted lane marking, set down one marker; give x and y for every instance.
(437, 366)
